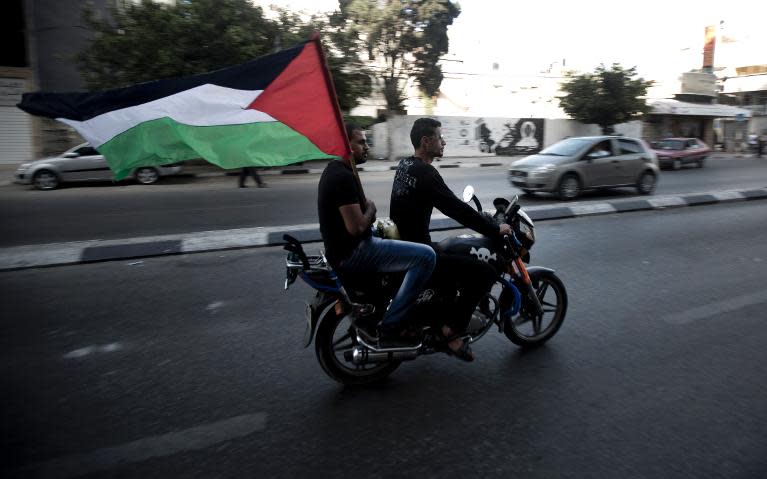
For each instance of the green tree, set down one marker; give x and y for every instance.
(405, 38)
(148, 41)
(605, 97)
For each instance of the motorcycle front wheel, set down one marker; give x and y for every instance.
(335, 336)
(530, 329)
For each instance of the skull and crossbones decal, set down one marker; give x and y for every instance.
(483, 254)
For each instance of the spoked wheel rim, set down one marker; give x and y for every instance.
(647, 183)
(345, 339)
(569, 188)
(532, 326)
(45, 180)
(147, 176)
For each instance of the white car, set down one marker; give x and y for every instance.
(83, 163)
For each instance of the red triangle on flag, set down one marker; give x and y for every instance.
(301, 98)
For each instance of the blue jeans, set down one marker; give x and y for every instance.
(375, 255)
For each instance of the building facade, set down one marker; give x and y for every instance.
(16, 77)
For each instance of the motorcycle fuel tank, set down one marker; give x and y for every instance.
(477, 246)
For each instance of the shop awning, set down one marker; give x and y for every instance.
(675, 107)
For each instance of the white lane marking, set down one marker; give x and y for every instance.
(592, 209)
(716, 308)
(236, 238)
(37, 255)
(213, 307)
(82, 352)
(663, 202)
(163, 445)
(729, 195)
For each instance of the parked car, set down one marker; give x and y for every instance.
(582, 163)
(676, 152)
(83, 163)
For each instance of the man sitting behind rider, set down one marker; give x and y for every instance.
(345, 225)
(418, 188)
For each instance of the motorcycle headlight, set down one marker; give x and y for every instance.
(524, 229)
(527, 231)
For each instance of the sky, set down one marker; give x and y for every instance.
(661, 38)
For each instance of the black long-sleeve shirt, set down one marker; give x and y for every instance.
(418, 188)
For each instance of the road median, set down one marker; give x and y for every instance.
(78, 252)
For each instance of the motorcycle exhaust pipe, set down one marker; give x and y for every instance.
(360, 355)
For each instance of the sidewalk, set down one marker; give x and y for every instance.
(36, 256)
(202, 169)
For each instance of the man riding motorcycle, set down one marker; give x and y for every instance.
(345, 221)
(417, 189)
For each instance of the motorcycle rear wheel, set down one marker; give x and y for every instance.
(335, 335)
(529, 330)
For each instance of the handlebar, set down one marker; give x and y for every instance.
(513, 243)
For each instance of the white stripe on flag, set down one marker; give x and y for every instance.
(205, 105)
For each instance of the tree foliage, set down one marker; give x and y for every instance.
(148, 41)
(405, 38)
(605, 97)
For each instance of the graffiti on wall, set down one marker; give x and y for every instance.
(492, 136)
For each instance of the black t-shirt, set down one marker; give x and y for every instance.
(337, 188)
(418, 188)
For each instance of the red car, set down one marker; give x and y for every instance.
(675, 152)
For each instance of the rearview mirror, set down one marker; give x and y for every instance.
(71, 154)
(468, 193)
(514, 201)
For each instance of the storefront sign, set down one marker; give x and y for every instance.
(695, 83)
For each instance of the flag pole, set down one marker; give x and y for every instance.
(315, 37)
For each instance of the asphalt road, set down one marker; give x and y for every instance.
(191, 366)
(187, 204)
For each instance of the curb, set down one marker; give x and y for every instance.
(388, 165)
(58, 254)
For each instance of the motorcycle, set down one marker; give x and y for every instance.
(527, 304)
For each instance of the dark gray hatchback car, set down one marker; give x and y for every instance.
(588, 162)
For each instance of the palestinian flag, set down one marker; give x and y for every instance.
(276, 110)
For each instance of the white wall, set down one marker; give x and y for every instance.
(555, 130)
(391, 140)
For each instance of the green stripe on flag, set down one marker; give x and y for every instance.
(163, 141)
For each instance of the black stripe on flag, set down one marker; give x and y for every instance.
(253, 75)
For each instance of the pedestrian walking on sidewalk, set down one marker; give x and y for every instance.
(753, 141)
(250, 171)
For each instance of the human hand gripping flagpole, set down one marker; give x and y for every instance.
(315, 37)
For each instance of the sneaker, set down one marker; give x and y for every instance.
(368, 330)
